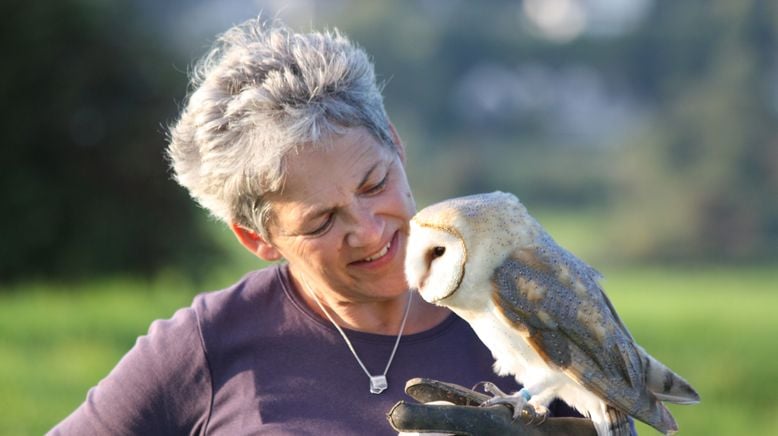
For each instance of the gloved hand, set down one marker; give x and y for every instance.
(465, 417)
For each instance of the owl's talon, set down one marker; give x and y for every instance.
(518, 402)
(491, 388)
(527, 415)
(533, 415)
(543, 416)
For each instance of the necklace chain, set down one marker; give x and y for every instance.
(378, 383)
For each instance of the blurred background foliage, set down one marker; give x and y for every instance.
(642, 133)
(86, 92)
(657, 117)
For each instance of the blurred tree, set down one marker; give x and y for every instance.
(697, 180)
(436, 50)
(483, 102)
(701, 182)
(85, 95)
(667, 124)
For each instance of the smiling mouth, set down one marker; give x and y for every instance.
(380, 254)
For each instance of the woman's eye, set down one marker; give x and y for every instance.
(322, 228)
(378, 186)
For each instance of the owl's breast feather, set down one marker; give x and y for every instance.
(508, 344)
(514, 356)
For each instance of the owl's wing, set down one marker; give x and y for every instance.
(556, 299)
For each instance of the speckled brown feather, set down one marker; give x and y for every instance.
(573, 326)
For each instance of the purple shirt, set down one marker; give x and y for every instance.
(254, 359)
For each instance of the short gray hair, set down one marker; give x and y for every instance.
(261, 92)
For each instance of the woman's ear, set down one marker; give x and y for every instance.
(398, 141)
(255, 243)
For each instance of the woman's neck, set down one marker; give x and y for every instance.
(379, 316)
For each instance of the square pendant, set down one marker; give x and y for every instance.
(378, 384)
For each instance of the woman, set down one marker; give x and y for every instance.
(285, 139)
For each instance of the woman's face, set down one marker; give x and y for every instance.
(341, 220)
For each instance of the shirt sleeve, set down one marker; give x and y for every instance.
(161, 386)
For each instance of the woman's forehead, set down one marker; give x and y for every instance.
(331, 171)
(346, 156)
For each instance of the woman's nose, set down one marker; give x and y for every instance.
(367, 228)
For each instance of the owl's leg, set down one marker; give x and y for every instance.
(519, 402)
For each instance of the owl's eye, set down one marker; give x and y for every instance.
(434, 253)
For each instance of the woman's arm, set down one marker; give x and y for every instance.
(161, 386)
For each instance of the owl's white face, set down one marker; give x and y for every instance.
(455, 245)
(435, 261)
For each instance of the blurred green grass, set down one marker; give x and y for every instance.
(57, 340)
(715, 325)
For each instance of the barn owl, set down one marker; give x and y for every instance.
(541, 312)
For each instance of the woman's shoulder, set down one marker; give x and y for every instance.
(253, 289)
(228, 318)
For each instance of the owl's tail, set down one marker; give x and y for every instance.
(667, 385)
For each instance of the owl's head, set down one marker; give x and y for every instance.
(455, 246)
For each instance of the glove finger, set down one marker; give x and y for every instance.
(460, 420)
(426, 390)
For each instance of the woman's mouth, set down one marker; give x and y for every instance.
(381, 257)
(380, 254)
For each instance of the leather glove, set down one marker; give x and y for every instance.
(465, 417)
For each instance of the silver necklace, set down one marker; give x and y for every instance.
(378, 383)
